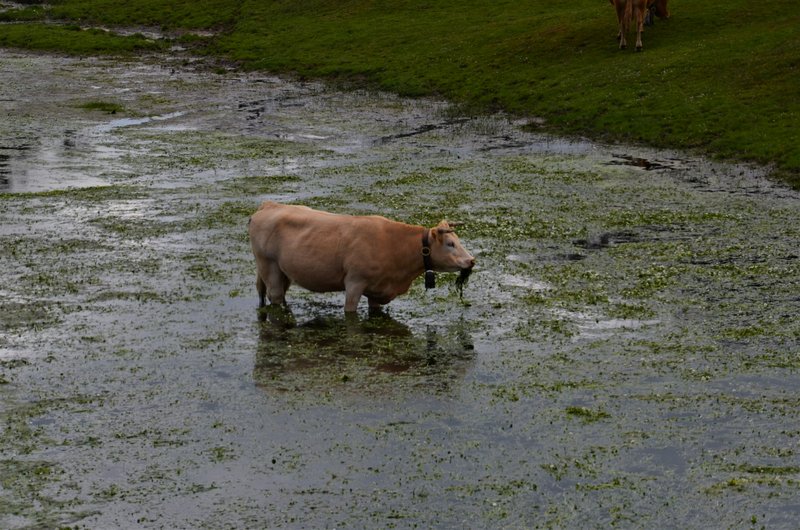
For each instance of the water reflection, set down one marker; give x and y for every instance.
(5, 172)
(10, 151)
(48, 160)
(376, 353)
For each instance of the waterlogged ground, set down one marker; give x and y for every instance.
(626, 353)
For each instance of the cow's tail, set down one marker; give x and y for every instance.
(263, 206)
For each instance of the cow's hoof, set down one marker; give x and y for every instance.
(638, 48)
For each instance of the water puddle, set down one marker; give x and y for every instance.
(130, 122)
(44, 164)
(626, 349)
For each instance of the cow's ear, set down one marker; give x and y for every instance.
(443, 228)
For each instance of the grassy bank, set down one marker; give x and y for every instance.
(720, 76)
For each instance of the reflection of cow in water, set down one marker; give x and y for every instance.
(331, 352)
(641, 13)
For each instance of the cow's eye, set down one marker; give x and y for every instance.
(451, 244)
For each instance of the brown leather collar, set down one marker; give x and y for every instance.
(430, 276)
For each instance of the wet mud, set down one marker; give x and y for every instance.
(626, 352)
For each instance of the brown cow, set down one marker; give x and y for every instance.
(628, 10)
(361, 255)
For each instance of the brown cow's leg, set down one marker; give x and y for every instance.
(261, 287)
(639, 21)
(278, 285)
(623, 15)
(353, 294)
(642, 9)
(274, 280)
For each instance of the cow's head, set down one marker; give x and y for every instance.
(447, 253)
(661, 8)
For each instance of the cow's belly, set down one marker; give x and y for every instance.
(385, 292)
(317, 285)
(314, 275)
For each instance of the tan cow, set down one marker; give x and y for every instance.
(361, 255)
(627, 11)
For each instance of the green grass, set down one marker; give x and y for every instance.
(73, 39)
(721, 76)
(166, 14)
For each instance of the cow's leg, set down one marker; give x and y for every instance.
(261, 287)
(639, 20)
(623, 15)
(374, 305)
(640, 11)
(277, 285)
(274, 281)
(353, 292)
(650, 13)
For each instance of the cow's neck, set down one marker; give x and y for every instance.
(409, 258)
(407, 263)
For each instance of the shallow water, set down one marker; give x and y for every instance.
(625, 353)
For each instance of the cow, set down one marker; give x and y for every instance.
(628, 10)
(360, 255)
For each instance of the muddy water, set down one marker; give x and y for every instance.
(626, 353)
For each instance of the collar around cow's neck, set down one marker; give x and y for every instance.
(430, 276)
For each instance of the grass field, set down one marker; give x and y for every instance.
(720, 76)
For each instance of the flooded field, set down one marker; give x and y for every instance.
(625, 354)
